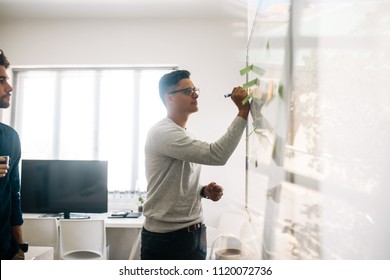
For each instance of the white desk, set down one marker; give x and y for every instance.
(122, 235)
(39, 253)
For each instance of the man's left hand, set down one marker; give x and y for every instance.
(213, 191)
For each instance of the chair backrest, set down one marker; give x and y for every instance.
(231, 223)
(41, 232)
(82, 239)
(227, 235)
(227, 247)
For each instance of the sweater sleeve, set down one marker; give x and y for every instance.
(176, 143)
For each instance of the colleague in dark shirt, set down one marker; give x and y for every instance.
(11, 240)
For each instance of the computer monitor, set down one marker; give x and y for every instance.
(64, 187)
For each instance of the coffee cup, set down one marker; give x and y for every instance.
(5, 160)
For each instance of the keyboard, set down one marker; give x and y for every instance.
(125, 214)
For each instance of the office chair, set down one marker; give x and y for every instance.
(41, 232)
(227, 235)
(83, 239)
(227, 247)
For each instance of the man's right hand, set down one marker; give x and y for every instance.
(238, 95)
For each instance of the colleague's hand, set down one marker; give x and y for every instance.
(3, 167)
(19, 255)
(213, 191)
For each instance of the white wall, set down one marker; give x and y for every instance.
(213, 50)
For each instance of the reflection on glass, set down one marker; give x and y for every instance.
(334, 180)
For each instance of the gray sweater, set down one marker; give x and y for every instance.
(173, 161)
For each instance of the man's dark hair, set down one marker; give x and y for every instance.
(3, 60)
(170, 80)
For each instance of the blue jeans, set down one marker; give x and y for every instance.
(175, 245)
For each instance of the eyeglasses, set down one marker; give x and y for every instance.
(187, 91)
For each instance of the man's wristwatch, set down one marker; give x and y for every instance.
(202, 194)
(23, 247)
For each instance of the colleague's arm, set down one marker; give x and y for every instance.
(17, 234)
(16, 218)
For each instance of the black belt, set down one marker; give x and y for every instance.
(192, 227)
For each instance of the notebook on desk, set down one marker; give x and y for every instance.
(125, 215)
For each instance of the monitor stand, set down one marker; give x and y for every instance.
(67, 215)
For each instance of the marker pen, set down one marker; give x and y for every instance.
(228, 95)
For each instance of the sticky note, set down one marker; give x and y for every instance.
(280, 90)
(258, 70)
(247, 98)
(252, 68)
(250, 83)
(245, 70)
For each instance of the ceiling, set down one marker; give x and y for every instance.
(217, 9)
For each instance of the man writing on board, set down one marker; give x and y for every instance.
(173, 227)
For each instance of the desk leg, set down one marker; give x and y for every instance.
(121, 242)
(136, 248)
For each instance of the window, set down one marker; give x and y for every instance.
(89, 113)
